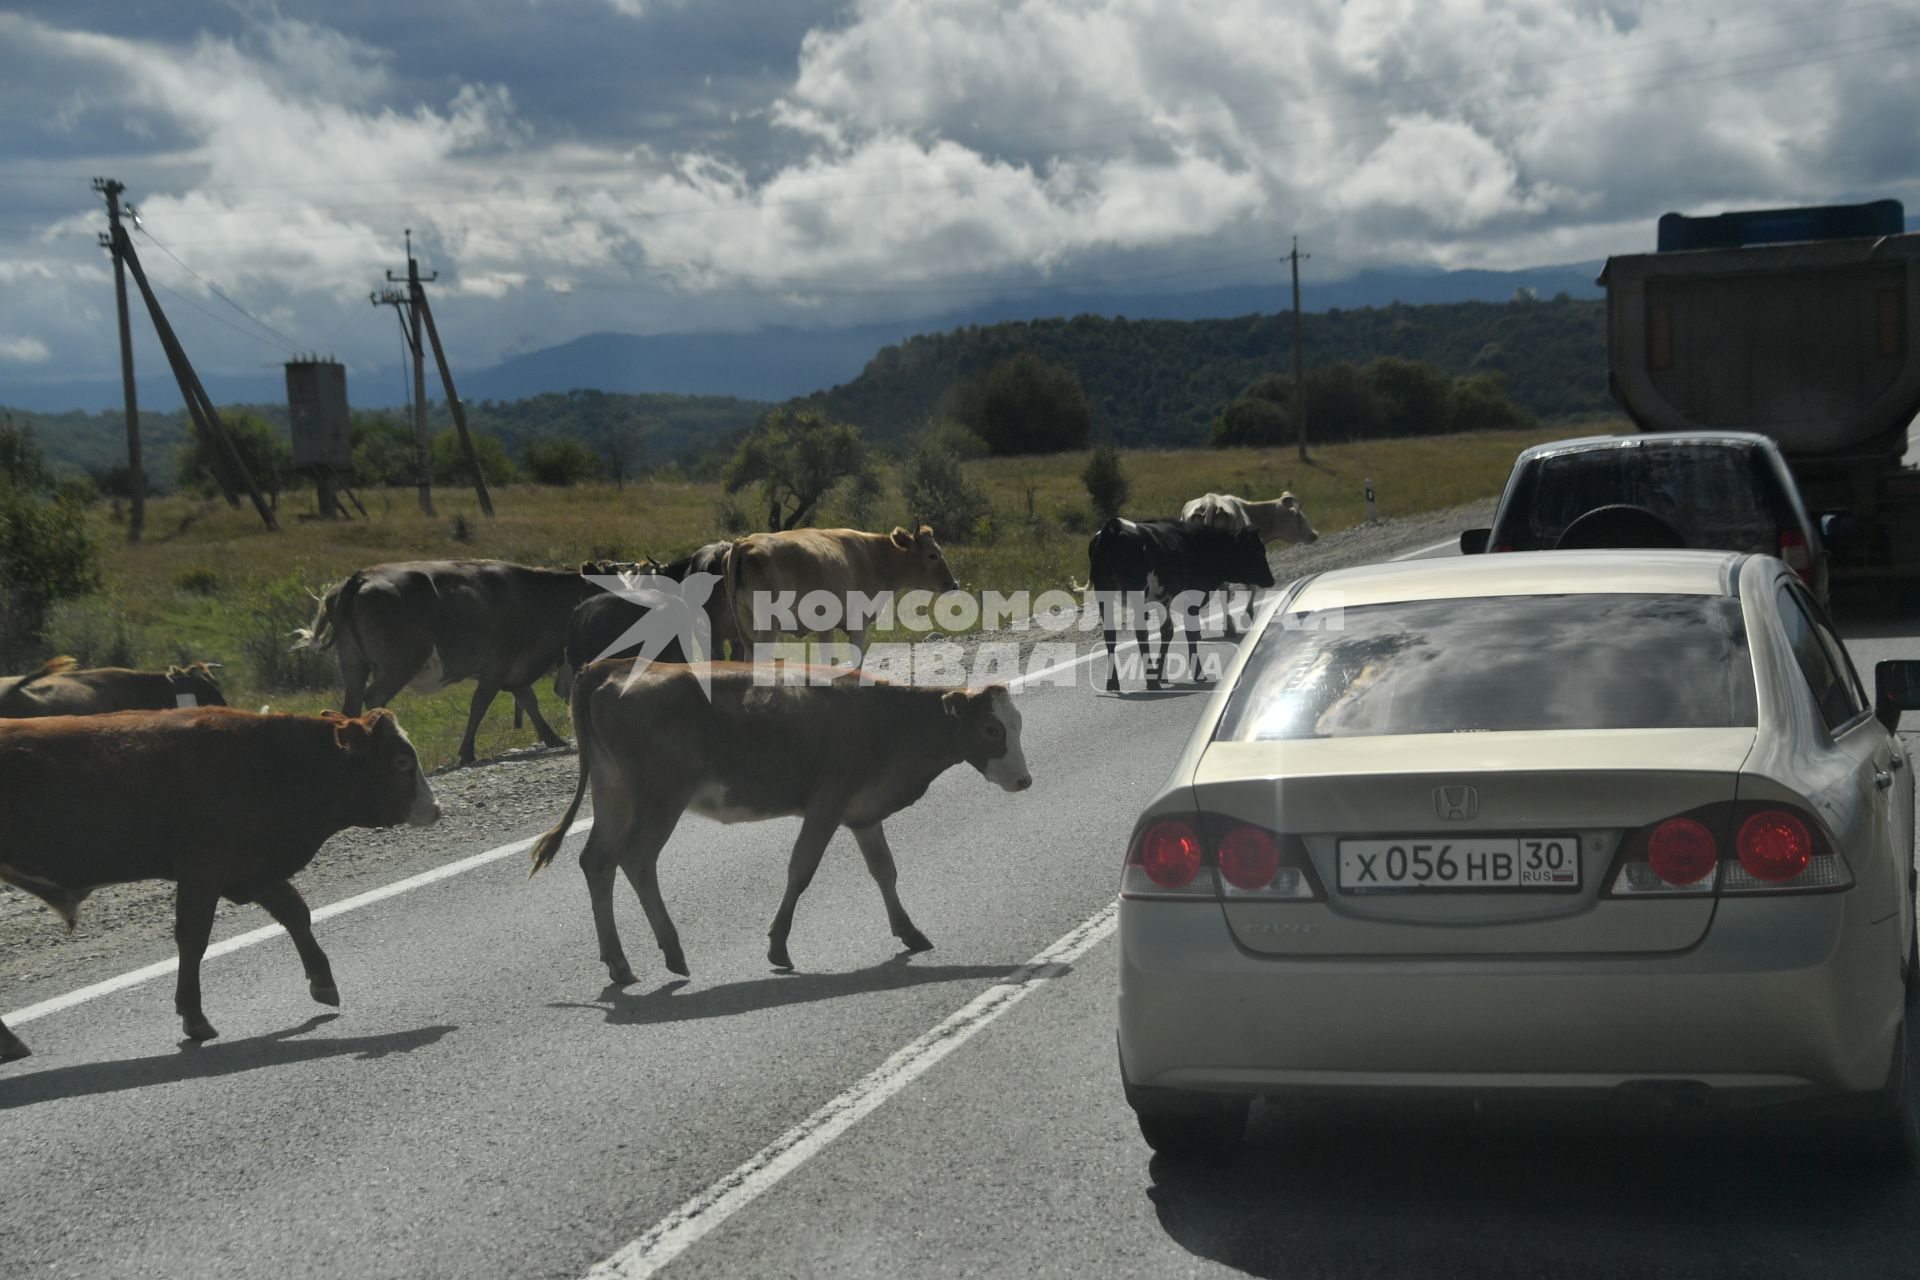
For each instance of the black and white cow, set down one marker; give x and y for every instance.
(1170, 563)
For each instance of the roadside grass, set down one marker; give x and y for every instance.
(209, 583)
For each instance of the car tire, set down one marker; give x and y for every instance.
(1194, 1135)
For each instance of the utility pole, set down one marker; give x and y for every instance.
(136, 477)
(1299, 377)
(418, 316)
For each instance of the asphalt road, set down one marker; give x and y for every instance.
(486, 1105)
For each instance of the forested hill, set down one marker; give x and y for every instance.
(1163, 381)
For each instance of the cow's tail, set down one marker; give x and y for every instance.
(549, 844)
(738, 606)
(53, 667)
(329, 617)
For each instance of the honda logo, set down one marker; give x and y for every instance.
(1456, 803)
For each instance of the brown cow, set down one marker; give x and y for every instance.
(225, 803)
(767, 571)
(842, 751)
(62, 688)
(426, 624)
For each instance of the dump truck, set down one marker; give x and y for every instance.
(1799, 324)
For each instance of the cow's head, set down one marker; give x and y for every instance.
(990, 728)
(1292, 521)
(927, 567)
(397, 789)
(1248, 560)
(194, 685)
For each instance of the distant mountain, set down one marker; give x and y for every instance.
(776, 364)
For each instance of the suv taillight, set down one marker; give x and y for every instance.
(1727, 849)
(1215, 856)
(1798, 555)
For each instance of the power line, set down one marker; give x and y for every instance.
(215, 289)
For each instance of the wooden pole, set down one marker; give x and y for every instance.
(190, 386)
(454, 406)
(136, 472)
(1299, 376)
(422, 446)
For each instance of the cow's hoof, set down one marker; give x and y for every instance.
(1113, 685)
(621, 977)
(914, 940)
(197, 1029)
(325, 992)
(677, 963)
(777, 956)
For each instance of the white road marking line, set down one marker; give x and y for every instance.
(1420, 552)
(256, 936)
(681, 1229)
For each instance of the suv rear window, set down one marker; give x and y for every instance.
(1717, 497)
(1497, 663)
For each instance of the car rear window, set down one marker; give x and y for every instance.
(1718, 498)
(1496, 663)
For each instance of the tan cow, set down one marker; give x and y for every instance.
(840, 751)
(766, 571)
(1280, 518)
(224, 803)
(63, 688)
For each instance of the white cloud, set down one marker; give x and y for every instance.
(23, 350)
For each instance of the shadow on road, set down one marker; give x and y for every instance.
(1446, 1194)
(194, 1061)
(670, 1002)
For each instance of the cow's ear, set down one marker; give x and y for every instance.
(1288, 500)
(901, 538)
(954, 702)
(382, 722)
(352, 736)
(926, 532)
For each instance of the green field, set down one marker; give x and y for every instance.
(208, 582)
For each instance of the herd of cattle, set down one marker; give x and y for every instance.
(174, 785)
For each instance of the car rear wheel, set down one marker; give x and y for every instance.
(1186, 1126)
(1884, 1134)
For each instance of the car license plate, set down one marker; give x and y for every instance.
(1417, 863)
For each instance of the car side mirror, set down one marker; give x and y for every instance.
(1896, 688)
(1473, 542)
(1837, 526)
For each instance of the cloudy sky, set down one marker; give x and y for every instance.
(665, 165)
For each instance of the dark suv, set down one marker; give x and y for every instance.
(1714, 490)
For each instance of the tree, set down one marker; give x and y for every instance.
(796, 457)
(450, 460)
(1413, 395)
(1106, 481)
(266, 454)
(46, 555)
(1025, 405)
(563, 462)
(22, 462)
(939, 492)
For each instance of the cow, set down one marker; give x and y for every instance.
(1168, 563)
(612, 625)
(426, 624)
(1280, 519)
(839, 750)
(835, 564)
(224, 803)
(62, 688)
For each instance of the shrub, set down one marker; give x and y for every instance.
(264, 451)
(730, 514)
(562, 461)
(860, 504)
(271, 664)
(450, 460)
(94, 631)
(22, 462)
(1106, 482)
(1025, 405)
(47, 554)
(939, 492)
(197, 580)
(956, 439)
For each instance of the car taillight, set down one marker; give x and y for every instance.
(1682, 852)
(1501, 546)
(1166, 861)
(1782, 849)
(1724, 849)
(1249, 857)
(1794, 550)
(1215, 855)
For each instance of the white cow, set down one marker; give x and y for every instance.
(1279, 518)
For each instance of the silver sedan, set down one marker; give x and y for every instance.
(1590, 824)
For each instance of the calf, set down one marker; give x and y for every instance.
(225, 803)
(835, 563)
(1172, 563)
(62, 688)
(846, 753)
